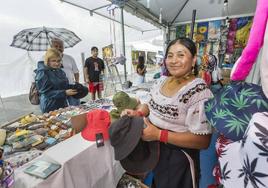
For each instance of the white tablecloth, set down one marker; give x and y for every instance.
(83, 166)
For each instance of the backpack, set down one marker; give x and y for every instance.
(34, 95)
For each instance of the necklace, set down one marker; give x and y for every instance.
(184, 78)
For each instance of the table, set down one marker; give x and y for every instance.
(83, 165)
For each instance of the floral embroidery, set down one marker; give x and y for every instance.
(171, 110)
(199, 87)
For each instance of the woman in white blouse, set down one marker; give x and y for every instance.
(175, 116)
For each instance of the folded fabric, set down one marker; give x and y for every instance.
(32, 140)
(18, 159)
(36, 126)
(3, 133)
(50, 141)
(19, 135)
(41, 131)
(233, 106)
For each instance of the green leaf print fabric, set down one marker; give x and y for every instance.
(233, 106)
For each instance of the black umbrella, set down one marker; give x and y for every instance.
(39, 39)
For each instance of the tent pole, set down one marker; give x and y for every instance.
(192, 24)
(123, 41)
(102, 15)
(182, 7)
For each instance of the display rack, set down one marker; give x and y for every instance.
(113, 79)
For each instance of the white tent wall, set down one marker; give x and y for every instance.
(18, 81)
(16, 15)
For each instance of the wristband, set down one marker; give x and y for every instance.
(140, 113)
(163, 136)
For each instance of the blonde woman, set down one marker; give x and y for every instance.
(52, 82)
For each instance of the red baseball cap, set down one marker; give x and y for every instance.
(98, 121)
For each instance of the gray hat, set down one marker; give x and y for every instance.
(136, 156)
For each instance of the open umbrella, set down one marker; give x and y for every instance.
(39, 39)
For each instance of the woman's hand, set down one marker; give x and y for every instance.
(70, 92)
(151, 132)
(129, 112)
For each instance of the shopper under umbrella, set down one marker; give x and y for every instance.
(39, 39)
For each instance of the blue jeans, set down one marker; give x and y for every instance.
(73, 101)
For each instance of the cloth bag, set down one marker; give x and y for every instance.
(34, 95)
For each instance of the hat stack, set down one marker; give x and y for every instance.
(135, 155)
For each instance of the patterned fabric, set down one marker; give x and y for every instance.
(223, 39)
(233, 106)
(244, 163)
(182, 112)
(18, 159)
(198, 88)
(7, 178)
(39, 39)
(128, 181)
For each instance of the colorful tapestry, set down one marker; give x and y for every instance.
(188, 30)
(219, 37)
(242, 33)
(202, 32)
(231, 36)
(180, 31)
(214, 33)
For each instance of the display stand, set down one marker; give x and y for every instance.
(113, 79)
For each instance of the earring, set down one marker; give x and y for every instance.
(193, 71)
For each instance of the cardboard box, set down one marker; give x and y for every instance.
(79, 122)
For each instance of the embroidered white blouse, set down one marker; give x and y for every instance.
(182, 112)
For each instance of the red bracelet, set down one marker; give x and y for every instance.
(164, 136)
(140, 113)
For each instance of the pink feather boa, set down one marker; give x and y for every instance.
(255, 42)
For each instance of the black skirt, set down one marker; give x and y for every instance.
(173, 169)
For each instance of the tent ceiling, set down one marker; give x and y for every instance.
(100, 8)
(149, 10)
(205, 8)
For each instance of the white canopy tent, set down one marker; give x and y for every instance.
(15, 65)
(88, 19)
(146, 46)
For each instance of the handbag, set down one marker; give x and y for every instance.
(34, 95)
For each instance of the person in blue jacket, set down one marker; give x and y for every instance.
(52, 83)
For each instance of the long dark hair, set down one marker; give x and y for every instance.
(140, 63)
(189, 44)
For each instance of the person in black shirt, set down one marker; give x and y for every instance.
(94, 70)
